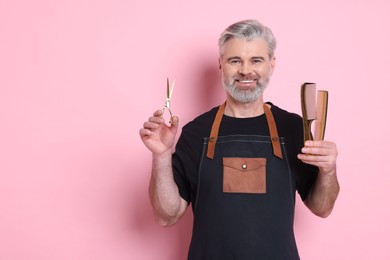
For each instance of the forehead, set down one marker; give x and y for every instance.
(246, 48)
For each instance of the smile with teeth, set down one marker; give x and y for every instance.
(246, 81)
(245, 84)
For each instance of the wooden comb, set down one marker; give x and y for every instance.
(313, 110)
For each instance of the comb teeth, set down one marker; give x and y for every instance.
(322, 109)
(310, 101)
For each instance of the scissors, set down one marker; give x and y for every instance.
(167, 105)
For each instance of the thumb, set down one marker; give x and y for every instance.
(174, 124)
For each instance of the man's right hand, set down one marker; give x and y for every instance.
(157, 136)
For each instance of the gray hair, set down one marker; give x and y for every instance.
(249, 30)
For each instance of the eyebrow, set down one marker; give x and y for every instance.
(258, 58)
(252, 58)
(233, 58)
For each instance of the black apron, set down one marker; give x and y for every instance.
(245, 198)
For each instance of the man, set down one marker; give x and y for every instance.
(240, 164)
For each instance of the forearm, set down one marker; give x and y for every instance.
(163, 191)
(323, 194)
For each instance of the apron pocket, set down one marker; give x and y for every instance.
(244, 175)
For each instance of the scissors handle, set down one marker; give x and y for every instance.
(170, 113)
(167, 105)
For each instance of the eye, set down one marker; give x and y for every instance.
(257, 61)
(234, 61)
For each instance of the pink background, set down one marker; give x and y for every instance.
(78, 79)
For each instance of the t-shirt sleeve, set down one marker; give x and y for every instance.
(306, 174)
(179, 161)
(184, 162)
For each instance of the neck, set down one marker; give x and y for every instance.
(241, 110)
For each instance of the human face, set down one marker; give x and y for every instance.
(246, 68)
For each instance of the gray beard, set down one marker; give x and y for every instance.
(248, 95)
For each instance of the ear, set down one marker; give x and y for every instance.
(220, 63)
(272, 65)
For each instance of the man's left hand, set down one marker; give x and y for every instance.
(322, 154)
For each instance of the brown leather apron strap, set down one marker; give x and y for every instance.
(214, 131)
(273, 132)
(271, 125)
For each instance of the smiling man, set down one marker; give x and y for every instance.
(240, 164)
(246, 70)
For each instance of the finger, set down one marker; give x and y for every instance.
(323, 166)
(310, 143)
(324, 162)
(313, 158)
(320, 148)
(158, 113)
(151, 125)
(315, 151)
(323, 144)
(174, 124)
(320, 165)
(157, 120)
(174, 120)
(145, 132)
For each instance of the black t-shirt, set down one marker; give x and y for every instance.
(186, 158)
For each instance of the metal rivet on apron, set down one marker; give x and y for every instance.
(212, 139)
(274, 139)
(244, 166)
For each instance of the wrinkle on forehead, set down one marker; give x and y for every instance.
(246, 49)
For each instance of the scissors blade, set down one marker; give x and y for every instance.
(172, 87)
(168, 88)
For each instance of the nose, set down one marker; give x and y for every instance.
(245, 68)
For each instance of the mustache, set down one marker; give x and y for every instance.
(246, 77)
